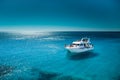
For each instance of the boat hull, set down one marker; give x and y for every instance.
(79, 50)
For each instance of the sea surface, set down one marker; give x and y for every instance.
(42, 56)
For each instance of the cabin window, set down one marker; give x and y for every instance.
(81, 44)
(77, 44)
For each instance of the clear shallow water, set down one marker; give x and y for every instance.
(41, 56)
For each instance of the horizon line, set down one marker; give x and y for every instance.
(62, 30)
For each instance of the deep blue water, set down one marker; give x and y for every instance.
(41, 56)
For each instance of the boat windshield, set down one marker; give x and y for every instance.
(76, 44)
(85, 40)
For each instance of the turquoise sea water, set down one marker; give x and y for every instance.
(42, 56)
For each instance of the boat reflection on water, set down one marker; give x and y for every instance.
(81, 56)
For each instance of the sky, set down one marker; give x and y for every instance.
(60, 15)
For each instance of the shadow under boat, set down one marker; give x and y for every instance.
(81, 56)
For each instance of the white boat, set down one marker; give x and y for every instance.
(80, 46)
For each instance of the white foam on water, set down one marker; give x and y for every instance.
(27, 35)
(19, 38)
(52, 46)
(53, 38)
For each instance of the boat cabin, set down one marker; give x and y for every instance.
(80, 46)
(83, 43)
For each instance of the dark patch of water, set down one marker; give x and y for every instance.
(68, 78)
(44, 75)
(5, 70)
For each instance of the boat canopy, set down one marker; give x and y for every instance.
(83, 40)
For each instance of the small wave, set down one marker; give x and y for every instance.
(52, 46)
(52, 38)
(22, 38)
(36, 38)
(25, 37)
